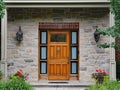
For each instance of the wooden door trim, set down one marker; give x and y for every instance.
(53, 29)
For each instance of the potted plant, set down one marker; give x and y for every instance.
(100, 76)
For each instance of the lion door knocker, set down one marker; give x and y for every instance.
(19, 35)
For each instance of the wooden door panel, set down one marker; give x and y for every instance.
(58, 71)
(52, 52)
(52, 69)
(58, 57)
(58, 52)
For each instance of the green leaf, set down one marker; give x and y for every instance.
(2, 9)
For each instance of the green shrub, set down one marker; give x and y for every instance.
(110, 85)
(2, 85)
(17, 84)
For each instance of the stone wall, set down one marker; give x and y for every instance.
(24, 55)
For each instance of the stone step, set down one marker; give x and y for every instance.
(60, 85)
(60, 88)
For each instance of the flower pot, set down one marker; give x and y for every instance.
(106, 78)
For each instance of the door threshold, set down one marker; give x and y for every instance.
(59, 81)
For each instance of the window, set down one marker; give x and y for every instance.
(74, 66)
(43, 52)
(74, 52)
(74, 37)
(43, 37)
(58, 38)
(43, 67)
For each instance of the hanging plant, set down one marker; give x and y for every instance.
(2, 8)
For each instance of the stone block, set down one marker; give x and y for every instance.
(93, 42)
(57, 19)
(88, 30)
(10, 64)
(99, 50)
(28, 60)
(83, 68)
(95, 56)
(56, 10)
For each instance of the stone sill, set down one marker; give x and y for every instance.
(60, 84)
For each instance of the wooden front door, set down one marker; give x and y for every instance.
(58, 55)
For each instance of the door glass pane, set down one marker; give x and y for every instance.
(43, 68)
(43, 52)
(74, 67)
(43, 37)
(74, 37)
(74, 53)
(58, 38)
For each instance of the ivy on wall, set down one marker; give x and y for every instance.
(2, 8)
(113, 31)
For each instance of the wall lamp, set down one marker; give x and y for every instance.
(19, 35)
(96, 35)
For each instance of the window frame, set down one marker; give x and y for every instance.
(41, 67)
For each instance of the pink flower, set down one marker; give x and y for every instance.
(100, 71)
(104, 72)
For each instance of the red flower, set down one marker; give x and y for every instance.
(18, 73)
(97, 70)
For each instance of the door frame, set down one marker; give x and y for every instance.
(45, 26)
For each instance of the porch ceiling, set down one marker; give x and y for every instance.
(57, 3)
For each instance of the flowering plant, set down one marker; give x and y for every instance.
(20, 75)
(99, 75)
